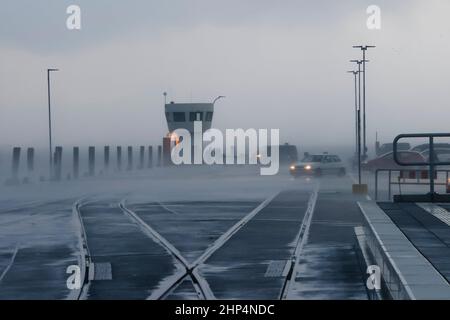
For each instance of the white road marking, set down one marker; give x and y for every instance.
(167, 209)
(437, 211)
(11, 262)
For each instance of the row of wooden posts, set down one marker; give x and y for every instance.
(56, 173)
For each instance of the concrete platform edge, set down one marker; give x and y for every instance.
(400, 262)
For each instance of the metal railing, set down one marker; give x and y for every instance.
(432, 163)
(402, 180)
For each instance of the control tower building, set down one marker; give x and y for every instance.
(183, 116)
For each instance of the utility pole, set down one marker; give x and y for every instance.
(355, 73)
(359, 63)
(50, 122)
(364, 49)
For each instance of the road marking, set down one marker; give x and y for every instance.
(187, 204)
(277, 268)
(99, 271)
(162, 205)
(11, 262)
(437, 211)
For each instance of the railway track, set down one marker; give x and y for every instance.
(301, 239)
(85, 260)
(202, 292)
(190, 269)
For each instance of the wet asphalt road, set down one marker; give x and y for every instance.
(201, 222)
(35, 250)
(330, 267)
(239, 270)
(251, 264)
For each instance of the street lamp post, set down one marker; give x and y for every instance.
(219, 97)
(355, 73)
(364, 49)
(359, 62)
(50, 121)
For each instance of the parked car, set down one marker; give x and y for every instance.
(318, 164)
(389, 147)
(441, 154)
(426, 146)
(386, 161)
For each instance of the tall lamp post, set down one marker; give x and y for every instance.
(355, 73)
(50, 121)
(218, 98)
(364, 49)
(359, 62)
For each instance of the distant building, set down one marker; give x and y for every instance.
(389, 147)
(288, 153)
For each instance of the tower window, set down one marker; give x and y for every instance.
(195, 116)
(179, 117)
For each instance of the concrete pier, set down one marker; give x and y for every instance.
(119, 158)
(15, 165)
(30, 159)
(106, 158)
(406, 273)
(57, 163)
(159, 159)
(76, 162)
(130, 159)
(141, 157)
(91, 161)
(150, 157)
(167, 148)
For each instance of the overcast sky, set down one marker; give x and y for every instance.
(281, 64)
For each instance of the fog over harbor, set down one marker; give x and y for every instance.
(216, 150)
(279, 66)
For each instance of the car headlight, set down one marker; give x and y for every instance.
(292, 167)
(308, 167)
